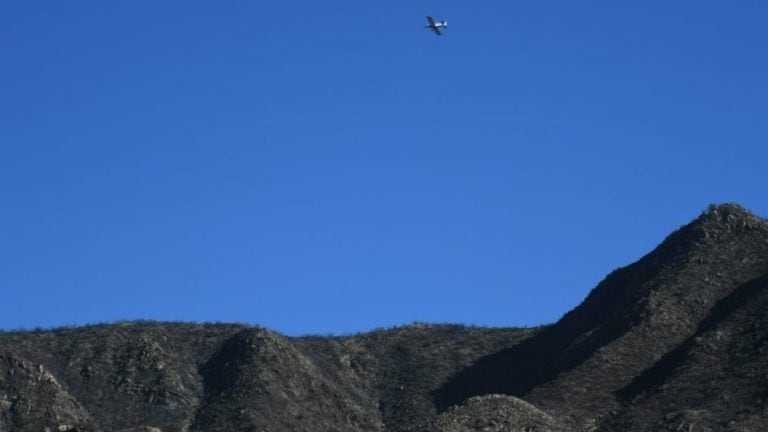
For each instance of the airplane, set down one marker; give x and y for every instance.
(435, 26)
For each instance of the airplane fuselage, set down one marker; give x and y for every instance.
(435, 26)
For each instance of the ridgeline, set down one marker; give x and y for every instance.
(675, 341)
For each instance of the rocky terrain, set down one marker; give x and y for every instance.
(676, 341)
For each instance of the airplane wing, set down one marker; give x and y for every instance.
(433, 26)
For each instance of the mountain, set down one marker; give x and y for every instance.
(628, 323)
(675, 341)
(178, 377)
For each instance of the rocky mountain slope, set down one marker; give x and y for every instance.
(676, 341)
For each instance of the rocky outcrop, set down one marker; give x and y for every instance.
(258, 380)
(494, 413)
(32, 399)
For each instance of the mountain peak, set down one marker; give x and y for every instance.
(718, 224)
(728, 216)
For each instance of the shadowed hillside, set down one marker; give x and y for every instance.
(728, 353)
(675, 340)
(633, 318)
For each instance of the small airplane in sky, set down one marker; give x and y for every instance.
(435, 26)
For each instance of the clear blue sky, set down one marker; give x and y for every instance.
(331, 166)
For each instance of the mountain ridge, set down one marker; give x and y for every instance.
(639, 351)
(649, 311)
